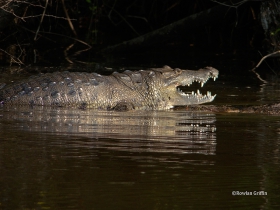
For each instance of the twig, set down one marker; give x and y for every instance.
(78, 40)
(74, 32)
(21, 50)
(68, 19)
(66, 54)
(259, 76)
(42, 17)
(75, 39)
(13, 58)
(232, 5)
(25, 2)
(70, 46)
(123, 18)
(235, 6)
(7, 9)
(46, 15)
(267, 56)
(111, 10)
(138, 17)
(263, 58)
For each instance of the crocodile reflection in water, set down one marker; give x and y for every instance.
(138, 131)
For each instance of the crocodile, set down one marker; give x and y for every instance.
(152, 89)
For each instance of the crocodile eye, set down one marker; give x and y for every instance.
(152, 74)
(178, 71)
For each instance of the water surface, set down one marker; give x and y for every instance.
(87, 159)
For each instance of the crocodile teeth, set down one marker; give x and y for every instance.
(202, 84)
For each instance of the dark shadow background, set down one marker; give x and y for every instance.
(238, 36)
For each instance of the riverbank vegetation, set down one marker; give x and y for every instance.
(54, 31)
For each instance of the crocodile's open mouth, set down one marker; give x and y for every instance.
(197, 96)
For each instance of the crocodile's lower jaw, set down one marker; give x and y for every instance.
(198, 97)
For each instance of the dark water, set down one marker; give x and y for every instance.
(86, 159)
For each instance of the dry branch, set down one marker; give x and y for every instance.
(260, 62)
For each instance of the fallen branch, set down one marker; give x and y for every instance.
(215, 14)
